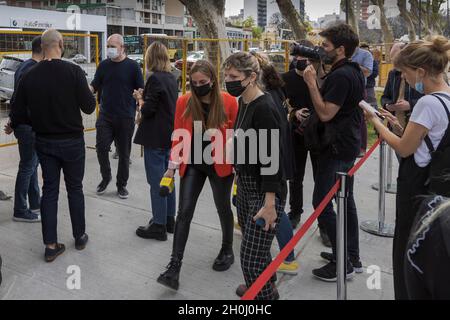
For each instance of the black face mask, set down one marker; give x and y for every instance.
(301, 65)
(202, 91)
(235, 88)
(330, 57)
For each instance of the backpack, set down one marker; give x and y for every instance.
(439, 177)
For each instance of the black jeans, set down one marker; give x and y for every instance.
(325, 180)
(68, 155)
(296, 184)
(121, 131)
(190, 187)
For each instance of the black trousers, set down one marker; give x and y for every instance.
(410, 187)
(190, 187)
(121, 131)
(69, 157)
(296, 184)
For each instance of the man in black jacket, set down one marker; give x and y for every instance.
(50, 98)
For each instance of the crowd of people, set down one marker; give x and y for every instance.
(313, 109)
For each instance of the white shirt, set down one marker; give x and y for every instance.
(430, 113)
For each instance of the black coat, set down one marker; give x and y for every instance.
(158, 111)
(391, 91)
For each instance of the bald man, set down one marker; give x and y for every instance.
(50, 98)
(116, 79)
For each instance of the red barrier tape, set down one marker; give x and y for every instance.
(273, 266)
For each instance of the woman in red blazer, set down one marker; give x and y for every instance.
(205, 112)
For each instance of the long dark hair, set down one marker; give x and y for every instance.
(217, 117)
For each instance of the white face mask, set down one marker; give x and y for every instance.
(112, 53)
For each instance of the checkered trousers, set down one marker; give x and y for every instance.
(256, 243)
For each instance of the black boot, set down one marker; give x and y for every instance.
(152, 231)
(170, 224)
(171, 276)
(224, 260)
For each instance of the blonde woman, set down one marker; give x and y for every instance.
(157, 107)
(423, 64)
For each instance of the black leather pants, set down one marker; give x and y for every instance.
(190, 187)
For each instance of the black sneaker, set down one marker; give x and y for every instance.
(170, 278)
(356, 262)
(101, 188)
(224, 260)
(325, 239)
(52, 254)
(294, 218)
(152, 231)
(122, 192)
(170, 225)
(81, 242)
(328, 272)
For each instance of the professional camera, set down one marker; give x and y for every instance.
(314, 54)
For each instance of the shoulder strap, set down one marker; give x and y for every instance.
(438, 96)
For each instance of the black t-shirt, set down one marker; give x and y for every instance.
(297, 91)
(116, 82)
(197, 159)
(344, 86)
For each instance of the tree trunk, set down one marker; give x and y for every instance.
(353, 20)
(404, 13)
(388, 36)
(292, 17)
(436, 16)
(209, 17)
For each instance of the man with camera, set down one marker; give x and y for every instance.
(339, 123)
(301, 106)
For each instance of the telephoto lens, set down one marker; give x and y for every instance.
(314, 54)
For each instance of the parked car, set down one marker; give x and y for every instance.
(79, 58)
(191, 59)
(139, 58)
(8, 68)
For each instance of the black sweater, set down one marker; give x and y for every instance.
(158, 112)
(50, 97)
(261, 114)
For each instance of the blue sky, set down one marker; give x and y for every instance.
(314, 8)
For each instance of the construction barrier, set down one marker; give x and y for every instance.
(15, 47)
(184, 52)
(256, 287)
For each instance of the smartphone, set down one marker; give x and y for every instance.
(368, 108)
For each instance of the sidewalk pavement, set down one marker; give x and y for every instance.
(118, 265)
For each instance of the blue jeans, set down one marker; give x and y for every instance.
(27, 186)
(285, 234)
(68, 156)
(324, 181)
(156, 163)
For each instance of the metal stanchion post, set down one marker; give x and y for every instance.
(391, 187)
(341, 235)
(379, 227)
